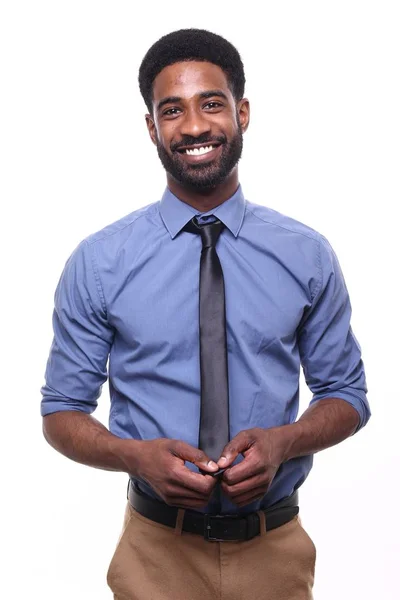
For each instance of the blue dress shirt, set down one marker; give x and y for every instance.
(129, 295)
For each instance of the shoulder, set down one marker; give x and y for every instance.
(139, 220)
(282, 224)
(115, 248)
(303, 249)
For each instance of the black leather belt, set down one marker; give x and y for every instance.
(215, 528)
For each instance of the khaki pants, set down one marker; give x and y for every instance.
(156, 562)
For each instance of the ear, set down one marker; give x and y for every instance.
(243, 108)
(151, 127)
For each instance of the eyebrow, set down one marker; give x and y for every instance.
(175, 99)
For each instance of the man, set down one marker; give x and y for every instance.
(227, 315)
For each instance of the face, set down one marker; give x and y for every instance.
(196, 124)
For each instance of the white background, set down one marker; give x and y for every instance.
(323, 147)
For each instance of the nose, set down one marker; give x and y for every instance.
(194, 123)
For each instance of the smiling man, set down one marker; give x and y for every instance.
(203, 158)
(206, 306)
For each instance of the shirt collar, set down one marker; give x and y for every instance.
(175, 213)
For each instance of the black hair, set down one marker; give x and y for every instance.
(191, 45)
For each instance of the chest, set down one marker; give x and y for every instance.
(156, 301)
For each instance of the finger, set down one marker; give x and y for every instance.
(249, 467)
(251, 496)
(233, 491)
(201, 484)
(241, 442)
(183, 497)
(194, 455)
(175, 491)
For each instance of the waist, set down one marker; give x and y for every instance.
(288, 479)
(229, 527)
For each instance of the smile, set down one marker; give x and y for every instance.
(196, 154)
(201, 150)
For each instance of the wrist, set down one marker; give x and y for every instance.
(126, 452)
(286, 437)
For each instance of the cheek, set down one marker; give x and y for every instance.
(165, 136)
(229, 126)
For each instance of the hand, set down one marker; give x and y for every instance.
(263, 454)
(161, 463)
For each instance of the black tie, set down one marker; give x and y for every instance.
(214, 413)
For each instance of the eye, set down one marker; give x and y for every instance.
(171, 112)
(213, 105)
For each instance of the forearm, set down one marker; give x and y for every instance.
(321, 426)
(82, 438)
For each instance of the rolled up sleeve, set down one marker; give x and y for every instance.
(77, 364)
(329, 351)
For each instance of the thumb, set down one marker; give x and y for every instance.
(194, 455)
(232, 451)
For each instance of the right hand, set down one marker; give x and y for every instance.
(161, 463)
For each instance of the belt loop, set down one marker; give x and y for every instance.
(179, 521)
(263, 526)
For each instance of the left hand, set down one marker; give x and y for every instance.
(263, 451)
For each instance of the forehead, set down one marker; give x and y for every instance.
(186, 79)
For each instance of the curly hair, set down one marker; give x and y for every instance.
(191, 45)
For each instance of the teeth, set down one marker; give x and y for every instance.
(202, 150)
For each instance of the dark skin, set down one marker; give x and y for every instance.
(194, 115)
(203, 105)
(322, 425)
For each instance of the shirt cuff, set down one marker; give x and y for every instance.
(357, 401)
(53, 405)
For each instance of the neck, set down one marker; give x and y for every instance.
(206, 200)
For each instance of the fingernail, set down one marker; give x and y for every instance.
(223, 460)
(212, 464)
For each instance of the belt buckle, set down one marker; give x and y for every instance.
(208, 528)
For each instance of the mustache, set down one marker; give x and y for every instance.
(203, 139)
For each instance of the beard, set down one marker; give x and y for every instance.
(202, 177)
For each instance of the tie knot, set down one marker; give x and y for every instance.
(209, 232)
